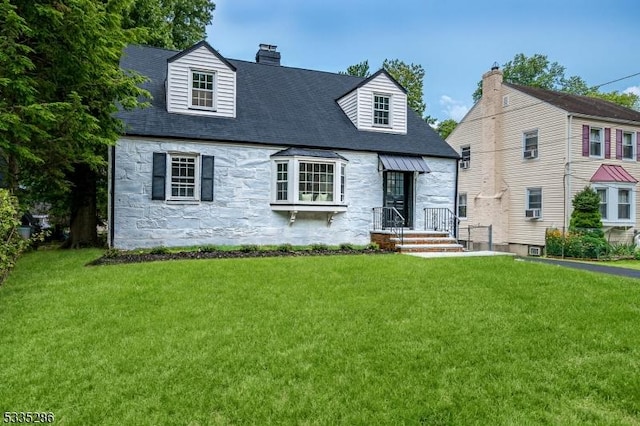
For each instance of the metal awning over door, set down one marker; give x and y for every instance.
(403, 163)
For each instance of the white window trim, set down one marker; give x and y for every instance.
(196, 189)
(214, 102)
(466, 205)
(524, 144)
(528, 199)
(612, 202)
(293, 174)
(633, 146)
(602, 142)
(373, 110)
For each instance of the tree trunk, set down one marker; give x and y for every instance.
(84, 220)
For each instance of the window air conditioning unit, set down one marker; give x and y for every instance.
(532, 213)
(531, 153)
(535, 251)
(464, 164)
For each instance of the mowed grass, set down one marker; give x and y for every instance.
(324, 340)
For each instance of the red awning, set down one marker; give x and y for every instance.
(612, 173)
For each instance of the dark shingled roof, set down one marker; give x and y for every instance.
(579, 104)
(275, 105)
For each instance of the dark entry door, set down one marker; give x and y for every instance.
(398, 192)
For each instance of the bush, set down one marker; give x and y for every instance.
(208, 249)
(11, 243)
(347, 246)
(319, 247)
(285, 248)
(248, 248)
(159, 250)
(578, 243)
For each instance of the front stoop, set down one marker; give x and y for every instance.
(426, 242)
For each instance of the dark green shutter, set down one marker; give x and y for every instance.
(206, 178)
(159, 173)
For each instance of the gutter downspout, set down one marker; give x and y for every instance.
(455, 202)
(568, 172)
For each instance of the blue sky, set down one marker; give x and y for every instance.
(455, 41)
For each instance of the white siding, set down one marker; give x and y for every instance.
(497, 181)
(178, 89)
(349, 105)
(358, 106)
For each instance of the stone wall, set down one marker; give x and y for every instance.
(241, 212)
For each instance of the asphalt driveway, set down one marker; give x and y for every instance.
(604, 269)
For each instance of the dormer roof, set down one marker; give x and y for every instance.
(197, 46)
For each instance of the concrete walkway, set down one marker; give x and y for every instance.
(461, 254)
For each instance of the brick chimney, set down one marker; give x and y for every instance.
(494, 200)
(267, 55)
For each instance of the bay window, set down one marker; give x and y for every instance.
(308, 180)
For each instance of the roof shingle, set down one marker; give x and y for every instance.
(276, 105)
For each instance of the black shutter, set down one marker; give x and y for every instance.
(206, 178)
(159, 173)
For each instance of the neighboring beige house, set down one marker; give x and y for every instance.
(527, 151)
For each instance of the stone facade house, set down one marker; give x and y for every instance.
(235, 152)
(525, 153)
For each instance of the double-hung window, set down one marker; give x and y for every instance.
(381, 110)
(534, 203)
(462, 205)
(596, 141)
(603, 194)
(627, 146)
(465, 157)
(183, 180)
(202, 90)
(182, 177)
(624, 204)
(530, 143)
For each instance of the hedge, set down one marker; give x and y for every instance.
(11, 243)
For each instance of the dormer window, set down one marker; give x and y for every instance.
(202, 90)
(381, 110)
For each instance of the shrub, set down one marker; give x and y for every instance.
(319, 247)
(159, 250)
(248, 248)
(11, 243)
(347, 246)
(285, 248)
(208, 249)
(373, 246)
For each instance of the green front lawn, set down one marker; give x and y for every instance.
(324, 340)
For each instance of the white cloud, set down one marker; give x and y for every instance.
(455, 109)
(633, 89)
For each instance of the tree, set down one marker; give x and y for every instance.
(538, 71)
(586, 210)
(410, 76)
(358, 70)
(63, 93)
(171, 24)
(586, 238)
(445, 127)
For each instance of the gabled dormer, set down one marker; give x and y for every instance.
(201, 82)
(378, 104)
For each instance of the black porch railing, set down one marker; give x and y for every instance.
(441, 219)
(389, 219)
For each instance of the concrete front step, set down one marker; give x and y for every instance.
(425, 240)
(429, 248)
